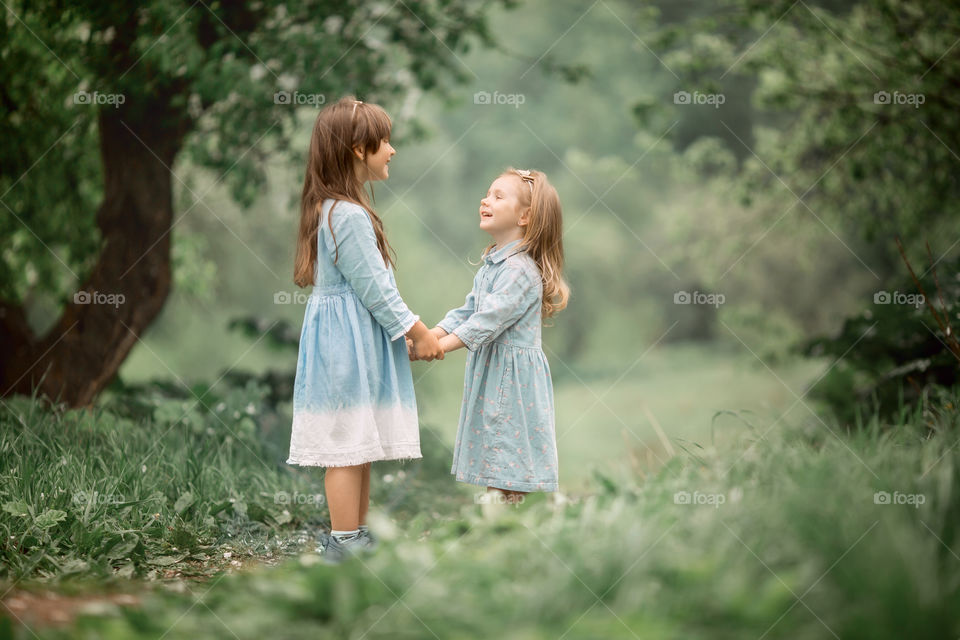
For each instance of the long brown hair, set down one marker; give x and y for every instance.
(543, 235)
(331, 173)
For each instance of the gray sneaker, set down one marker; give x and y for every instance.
(368, 542)
(335, 551)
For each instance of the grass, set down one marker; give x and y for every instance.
(783, 536)
(156, 488)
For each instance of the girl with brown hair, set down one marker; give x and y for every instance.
(353, 399)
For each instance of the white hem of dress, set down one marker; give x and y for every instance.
(403, 453)
(348, 437)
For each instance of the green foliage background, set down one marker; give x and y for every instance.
(796, 399)
(658, 198)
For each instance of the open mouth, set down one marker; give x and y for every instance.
(485, 214)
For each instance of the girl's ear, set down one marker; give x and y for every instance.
(524, 218)
(357, 151)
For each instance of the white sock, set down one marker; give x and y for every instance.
(363, 528)
(343, 536)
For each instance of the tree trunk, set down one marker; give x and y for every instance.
(129, 284)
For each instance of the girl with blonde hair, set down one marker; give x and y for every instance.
(506, 439)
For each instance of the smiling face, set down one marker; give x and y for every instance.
(374, 167)
(501, 213)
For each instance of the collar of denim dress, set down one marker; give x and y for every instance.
(499, 255)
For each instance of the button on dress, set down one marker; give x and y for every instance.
(506, 436)
(353, 399)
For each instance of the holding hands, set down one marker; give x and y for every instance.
(423, 343)
(446, 343)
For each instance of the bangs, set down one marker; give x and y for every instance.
(372, 126)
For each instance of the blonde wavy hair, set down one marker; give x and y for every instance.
(543, 235)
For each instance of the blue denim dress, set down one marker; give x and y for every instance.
(353, 398)
(506, 437)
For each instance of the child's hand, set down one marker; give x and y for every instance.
(427, 348)
(410, 353)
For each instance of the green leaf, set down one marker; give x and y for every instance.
(49, 518)
(74, 565)
(184, 502)
(122, 549)
(126, 571)
(166, 561)
(257, 512)
(240, 508)
(17, 508)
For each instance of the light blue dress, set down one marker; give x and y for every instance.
(506, 436)
(353, 399)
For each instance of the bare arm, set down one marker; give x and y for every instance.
(451, 342)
